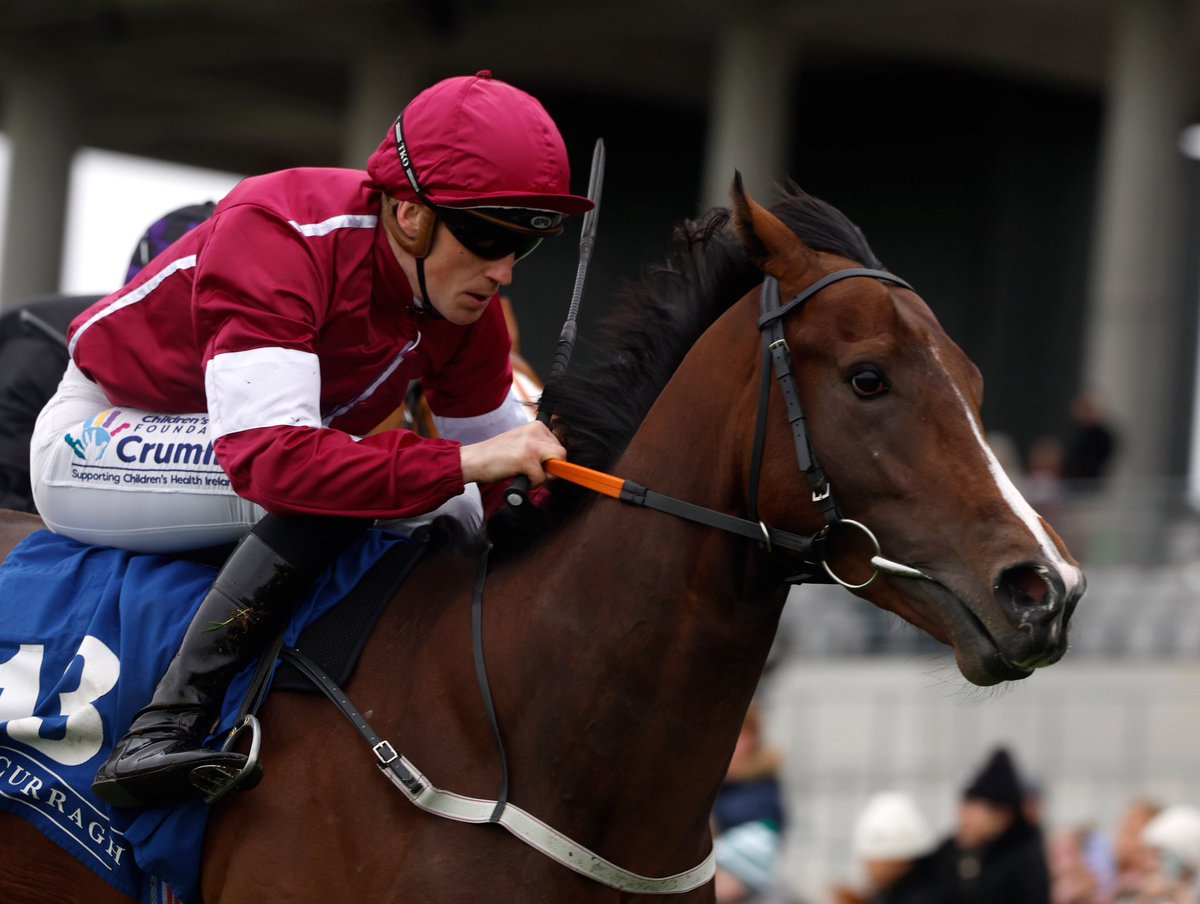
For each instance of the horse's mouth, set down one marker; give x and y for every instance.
(978, 655)
(976, 650)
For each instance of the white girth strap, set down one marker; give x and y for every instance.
(547, 840)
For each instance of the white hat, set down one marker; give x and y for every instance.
(1176, 830)
(891, 828)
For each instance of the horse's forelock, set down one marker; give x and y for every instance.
(823, 227)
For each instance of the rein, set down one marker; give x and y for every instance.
(811, 550)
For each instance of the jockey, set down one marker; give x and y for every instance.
(229, 390)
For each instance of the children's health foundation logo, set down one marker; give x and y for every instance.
(95, 434)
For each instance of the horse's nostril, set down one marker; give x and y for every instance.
(1030, 593)
(1033, 596)
(1025, 586)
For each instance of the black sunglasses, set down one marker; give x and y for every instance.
(491, 233)
(488, 238)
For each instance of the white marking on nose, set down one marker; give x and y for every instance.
(1021, 508)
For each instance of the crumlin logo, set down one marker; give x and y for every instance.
(95, 434)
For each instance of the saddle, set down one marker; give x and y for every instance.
(335, 641)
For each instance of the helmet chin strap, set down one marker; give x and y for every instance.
(426, 303)
(419, 247)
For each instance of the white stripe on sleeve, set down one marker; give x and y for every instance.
(263, 387)
(184, 263)
(511, 413)
(344, 221)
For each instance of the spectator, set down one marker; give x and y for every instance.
(1173, 836)
(995, 856)
(1042, 484)
(894, 844)
(748, 819)
(1133, 860)
(1072, 878)
(1091, 445)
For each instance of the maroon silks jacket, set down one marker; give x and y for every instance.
(288, 319)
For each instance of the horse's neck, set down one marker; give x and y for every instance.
(662, 627)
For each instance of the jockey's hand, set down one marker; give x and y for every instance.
(518, 451)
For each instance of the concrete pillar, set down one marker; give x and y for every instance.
(750, 111)
(382, 83)
(1133, 343)
(39, 124)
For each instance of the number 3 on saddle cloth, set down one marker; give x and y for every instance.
(85, 634)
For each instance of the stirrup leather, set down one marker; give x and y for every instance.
(214, 781)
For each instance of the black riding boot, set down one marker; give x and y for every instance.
(250, 601)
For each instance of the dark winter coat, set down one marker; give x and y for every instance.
(921, 885)
(1010, 870)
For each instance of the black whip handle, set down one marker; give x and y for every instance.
(517, 493)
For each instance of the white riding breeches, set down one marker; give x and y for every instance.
(128, 478)
(149, 482)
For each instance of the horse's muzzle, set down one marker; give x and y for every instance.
(1035, 599)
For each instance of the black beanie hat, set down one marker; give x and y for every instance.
(998, 781)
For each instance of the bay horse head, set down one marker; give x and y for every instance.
(896, 438)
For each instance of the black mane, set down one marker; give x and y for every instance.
(658, 319)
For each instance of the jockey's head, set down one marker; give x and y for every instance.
(480, 158)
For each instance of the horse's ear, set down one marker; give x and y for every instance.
(766, 238)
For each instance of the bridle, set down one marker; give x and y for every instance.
(811, 550)
(777, 356)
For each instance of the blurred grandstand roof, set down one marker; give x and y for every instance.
(252, 86)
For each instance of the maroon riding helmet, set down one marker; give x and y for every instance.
(482, 157)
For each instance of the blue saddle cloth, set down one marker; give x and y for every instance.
(85, 634)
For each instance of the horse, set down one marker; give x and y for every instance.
(624, 645)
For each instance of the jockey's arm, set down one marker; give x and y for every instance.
(518, 451)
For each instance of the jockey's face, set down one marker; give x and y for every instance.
(461, 284)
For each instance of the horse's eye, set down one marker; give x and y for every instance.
(868, 383)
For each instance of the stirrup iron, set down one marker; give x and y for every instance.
(214, 781)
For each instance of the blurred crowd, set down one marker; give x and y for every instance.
(1000, 849)
(1057, 468)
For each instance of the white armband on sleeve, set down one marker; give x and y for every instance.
(467, 430)
(263, 387)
